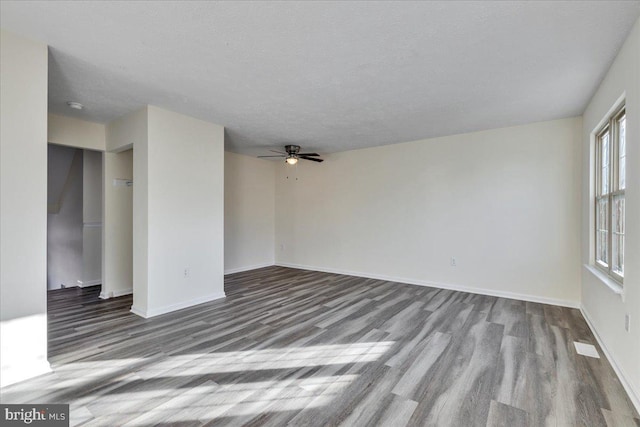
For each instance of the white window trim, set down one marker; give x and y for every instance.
(609, 278)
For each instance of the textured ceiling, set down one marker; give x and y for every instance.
(328, 76)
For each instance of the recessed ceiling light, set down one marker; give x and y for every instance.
(75, 105)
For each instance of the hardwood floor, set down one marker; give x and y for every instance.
(293, 347)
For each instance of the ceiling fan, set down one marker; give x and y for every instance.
(293, 154)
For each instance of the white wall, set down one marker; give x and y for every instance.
(178, 212)
(91, 218)
(124, 132)
(64, 226)
(23, 208)
(186, 210)
(249, 212)
(75, 133)
(604, 308)
(505, 203)
(117, 255)
(91, 186)
(59, 160)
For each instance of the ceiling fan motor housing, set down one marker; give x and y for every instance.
(292, 149)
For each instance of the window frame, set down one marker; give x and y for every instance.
(610, 126)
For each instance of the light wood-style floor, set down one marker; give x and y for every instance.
(293, 347)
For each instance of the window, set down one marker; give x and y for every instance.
(609, 203)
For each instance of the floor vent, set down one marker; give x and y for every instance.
(586, 349)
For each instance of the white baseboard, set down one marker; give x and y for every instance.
(87, 283)
(633, 395)
(115, 294)
(138, 312)
(122, 292)
(453, 287)
(174, 307)
(247, 268)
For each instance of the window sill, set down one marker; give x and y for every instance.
(606, 280)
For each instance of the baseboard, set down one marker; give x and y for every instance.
(87, 283)
(633, 395)
(174, 307)
(453, 287)
(115, 294)
(247, 268)
(138, 312)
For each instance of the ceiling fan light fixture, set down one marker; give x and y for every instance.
(292, 160)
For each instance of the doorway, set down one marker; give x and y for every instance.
(74, 218)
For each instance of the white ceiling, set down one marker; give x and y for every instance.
(329, 76)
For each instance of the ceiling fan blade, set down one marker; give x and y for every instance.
(260, 157)
(308, 154)
(313, 159)
(279, 152)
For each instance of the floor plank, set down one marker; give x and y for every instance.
(501, 415)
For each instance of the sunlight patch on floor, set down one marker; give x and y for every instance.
(211, 400)
(187, 387)
(286, 358)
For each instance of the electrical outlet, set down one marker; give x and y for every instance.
(453, 261)
(282, 246)
(186, 273)
(627, 322)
